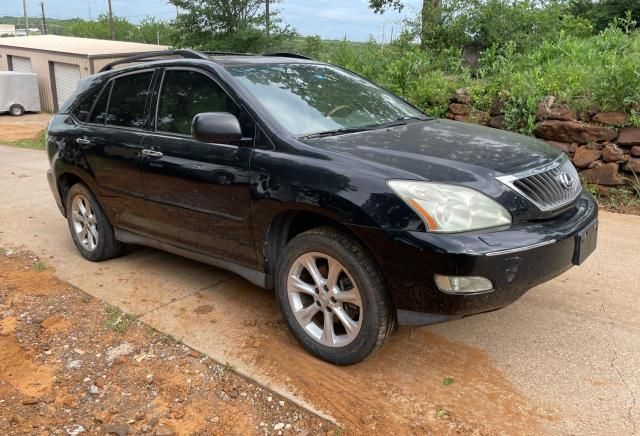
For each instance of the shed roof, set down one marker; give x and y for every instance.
(78, 46)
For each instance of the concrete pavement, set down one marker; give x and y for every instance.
(563, 359)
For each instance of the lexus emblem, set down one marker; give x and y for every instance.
(565, 180)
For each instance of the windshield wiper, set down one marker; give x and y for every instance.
(336, 132)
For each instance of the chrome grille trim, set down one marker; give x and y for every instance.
(549, 187)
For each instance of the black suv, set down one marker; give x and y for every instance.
(361, 211)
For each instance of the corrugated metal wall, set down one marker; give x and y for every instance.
(40, 64)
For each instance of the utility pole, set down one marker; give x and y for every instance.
(44, 20)
(268, 20)
(113, 31)
(26, 17)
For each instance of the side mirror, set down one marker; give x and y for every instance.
(216, 128)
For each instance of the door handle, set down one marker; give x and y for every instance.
(154, 154)
(82, 141)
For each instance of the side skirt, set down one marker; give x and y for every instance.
(255, 277)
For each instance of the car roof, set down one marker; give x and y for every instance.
(237, 60)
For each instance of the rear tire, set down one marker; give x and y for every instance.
(333, 296)
(90, 229)
(16, 110)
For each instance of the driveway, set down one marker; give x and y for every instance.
(563, 359)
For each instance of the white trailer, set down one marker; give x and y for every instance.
(19, 93)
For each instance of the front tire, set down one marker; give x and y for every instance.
(90, 229)
(333, 296)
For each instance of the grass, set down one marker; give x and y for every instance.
(39, 266)
(117, 320)
(34, 144)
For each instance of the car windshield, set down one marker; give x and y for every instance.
(313, 99)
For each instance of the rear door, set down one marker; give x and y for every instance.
(111, 142)
(198, 194)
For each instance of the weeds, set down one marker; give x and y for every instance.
(39, 266)
(117, 320)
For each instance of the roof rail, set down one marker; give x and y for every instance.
(289, 55)
(225, 53)
(185, 53)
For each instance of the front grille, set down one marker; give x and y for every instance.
(549, 187)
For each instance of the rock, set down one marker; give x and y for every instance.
(177, 413)
(595, 146)
(611, 118)
(573, 131)
(606, 174)
(461, 118)
(497, 122)
(633, 166)
(459, 109)
(595, 164)
(461, 96)
(117, 429)
(234, 394)
(164, 430)
(583, 156)
(30, 401)
(121, 350)
(604, 190)
(481, 117)
(93, 390)
(496, 107)
(68, 401)
(99, 382)
(629, 136)
(546, 111)
(195, 353)
(102, 416)
(611, 153)
(593, 110)
(279, 426)
(567, 148)
(450, 115)
(635, 151)
(74, 364)
(74, 429)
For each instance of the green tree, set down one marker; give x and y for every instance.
(99, 29)
(227, 25)
(602, 13)
(430, 17)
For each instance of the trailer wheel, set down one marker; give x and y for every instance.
(16, 110)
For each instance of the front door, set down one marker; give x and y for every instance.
(198, 194)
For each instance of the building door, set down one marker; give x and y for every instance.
(66, 77)
(20, 64)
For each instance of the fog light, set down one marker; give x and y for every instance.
(463, 285)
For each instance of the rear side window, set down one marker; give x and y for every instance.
(99, 113)
(128, 98)
(185, 94)
(83, 110)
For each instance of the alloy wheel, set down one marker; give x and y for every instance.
(84, 222)
(324, 299)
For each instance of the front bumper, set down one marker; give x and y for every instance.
(515, 260)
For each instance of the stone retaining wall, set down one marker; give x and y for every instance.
(600, 144)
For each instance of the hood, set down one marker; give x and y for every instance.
(443, 150)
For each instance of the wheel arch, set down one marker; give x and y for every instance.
(288, 224)
(64, 183)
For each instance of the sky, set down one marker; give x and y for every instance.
(331, 19)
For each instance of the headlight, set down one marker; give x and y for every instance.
(450, 208)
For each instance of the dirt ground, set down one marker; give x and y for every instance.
(70, 364)
(27, 126)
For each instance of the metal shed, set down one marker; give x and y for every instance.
(60, 61)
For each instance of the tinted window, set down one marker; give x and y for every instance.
(128, 97)
(99, 113)
(83, 110)
(184, 95)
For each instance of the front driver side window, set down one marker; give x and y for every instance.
(185, 94)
